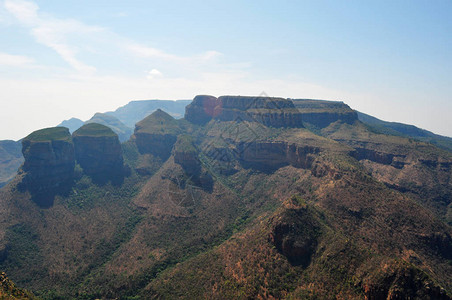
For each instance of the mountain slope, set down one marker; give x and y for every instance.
(9, 291)
(10, 160)
(115, 124)
(135, 111)
(234, 208)
(72, 124)
(395, 128)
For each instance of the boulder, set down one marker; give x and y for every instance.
(49, 163)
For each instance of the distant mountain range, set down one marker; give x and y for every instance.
(243, 198)
(400, 129)
(123, 120)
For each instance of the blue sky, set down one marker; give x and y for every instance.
(62, 59)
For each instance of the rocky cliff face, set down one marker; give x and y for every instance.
(156, 134)
(271, 155)
(321, 113)
(98, 151)
(274, 112)
(202, 109)
(49, 163)
(186, 155)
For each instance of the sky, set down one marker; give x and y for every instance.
(63, 59)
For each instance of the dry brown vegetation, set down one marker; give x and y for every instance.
(346, 225)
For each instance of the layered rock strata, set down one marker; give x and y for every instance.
(98, 151)
(322, 113)
(49, 163)
(274, 112)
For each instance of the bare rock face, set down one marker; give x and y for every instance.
(49, 163)
(186, 155)
(271, 155)
(202, 109)
(156, 134)
(321, 113)
(274, 112)
(98, 151)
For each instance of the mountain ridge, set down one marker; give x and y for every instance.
(239, 208)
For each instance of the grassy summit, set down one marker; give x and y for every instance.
(159, 122)
(94, 129)
(48, 134)
(320, 106)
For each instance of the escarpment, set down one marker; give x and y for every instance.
(272, 155)
(321, 113)
(156, 134)
(98, 151)
(49, 163)
(274, 112)
(202, 109)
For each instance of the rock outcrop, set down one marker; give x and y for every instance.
(271, 155)
(274, 112)
(322, 113)
(98, 151)
(202, 109)
(156, 134)
(49, 163)
(186, 154)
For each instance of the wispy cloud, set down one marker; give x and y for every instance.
(60, 35)
(50, 31)
(149, 52)
(14, 60)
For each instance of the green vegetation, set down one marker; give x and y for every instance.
(405, 130)
(95, 130)
(324, 223)
(49, 134)
(115, 124)
(10, 160)
(159, 122)
(23, 257)
(321, 106)
(184, 143)
(9, 291)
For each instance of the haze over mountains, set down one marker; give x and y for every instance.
(244, 197)
(123, 120)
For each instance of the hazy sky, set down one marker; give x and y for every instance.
(62, 59)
